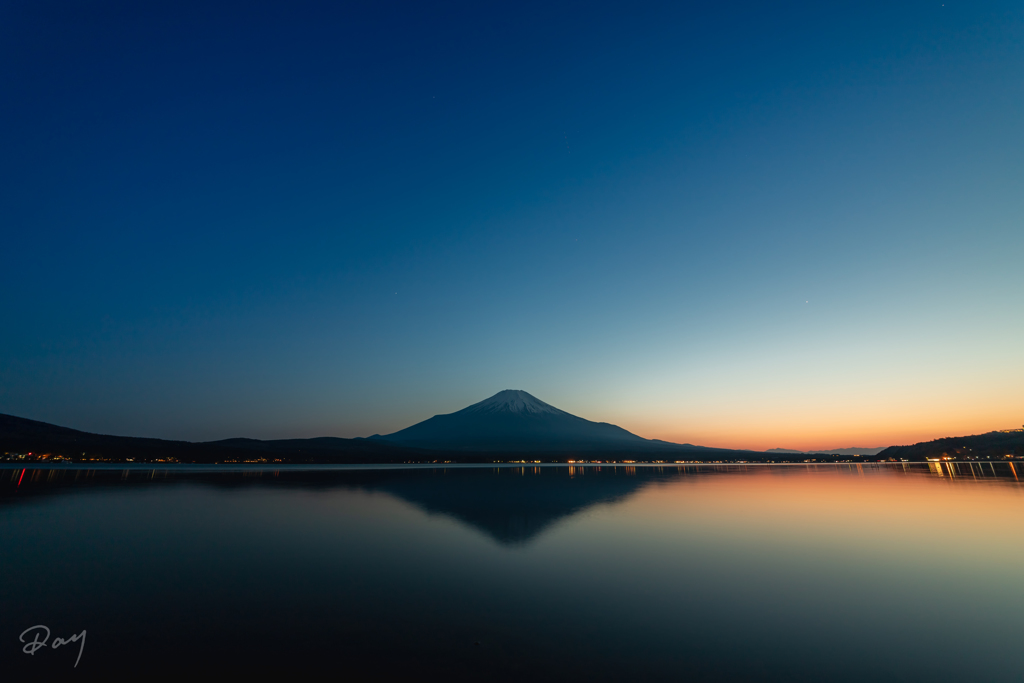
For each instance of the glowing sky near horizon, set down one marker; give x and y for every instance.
(766, 225)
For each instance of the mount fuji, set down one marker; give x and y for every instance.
(513, 420)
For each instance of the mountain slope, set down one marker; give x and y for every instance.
(514, 420)
(1008, 443)
(853, 450)
(21, 435)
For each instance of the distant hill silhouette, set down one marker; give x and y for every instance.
(511, 426)
(502, 429)
(990, 446)
(853, 450)
(513, 421)
(19, 435)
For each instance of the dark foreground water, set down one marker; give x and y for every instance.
(781, 573)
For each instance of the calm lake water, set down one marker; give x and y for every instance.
(745, 573)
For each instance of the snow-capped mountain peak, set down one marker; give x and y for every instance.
(513, 401)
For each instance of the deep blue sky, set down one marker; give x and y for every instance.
(738, 224)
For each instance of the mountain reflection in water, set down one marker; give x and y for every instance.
(510, 503)
(550, 573)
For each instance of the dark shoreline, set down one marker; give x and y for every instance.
(25, 441)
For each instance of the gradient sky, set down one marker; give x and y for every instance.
(733, 224)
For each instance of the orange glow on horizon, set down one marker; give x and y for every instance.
(816, 437)
(810, 428)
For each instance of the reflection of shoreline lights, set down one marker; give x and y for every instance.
(976, 470)
(958, 468)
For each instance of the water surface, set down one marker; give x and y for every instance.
(842, 573)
